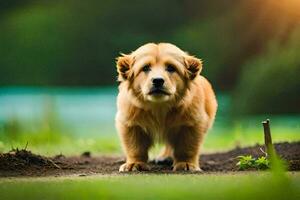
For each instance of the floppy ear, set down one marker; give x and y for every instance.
(124, 64)
(193, 65)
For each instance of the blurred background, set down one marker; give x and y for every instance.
(58, 78)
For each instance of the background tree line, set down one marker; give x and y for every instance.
(249, 48)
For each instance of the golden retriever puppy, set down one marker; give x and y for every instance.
(162, 97)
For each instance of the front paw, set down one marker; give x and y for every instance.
(186, 166)
(135, 166)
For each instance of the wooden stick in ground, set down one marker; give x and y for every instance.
(268, 138)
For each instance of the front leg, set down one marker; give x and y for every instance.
(136, 144)
(186, 143)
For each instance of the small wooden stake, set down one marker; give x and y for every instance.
(268, 138)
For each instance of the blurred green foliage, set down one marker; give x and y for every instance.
(256, 185)
(271, 82)
(248, 47)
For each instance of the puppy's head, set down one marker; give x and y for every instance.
(158, 73)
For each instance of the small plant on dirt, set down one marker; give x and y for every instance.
(248, 162)
(245, 162)
(262, 163)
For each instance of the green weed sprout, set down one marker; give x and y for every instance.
(248, 162)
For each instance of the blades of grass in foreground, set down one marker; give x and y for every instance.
(212, 186)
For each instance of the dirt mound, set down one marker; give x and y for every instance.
(24, 163)
(24, 160)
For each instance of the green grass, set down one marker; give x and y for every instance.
(49, 138)
(254, 185)
(221, 139)
(62, 144)
(52, 144)
(225, 139)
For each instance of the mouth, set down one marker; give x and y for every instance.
(158, 91)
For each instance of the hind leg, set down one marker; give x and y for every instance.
(165, 156)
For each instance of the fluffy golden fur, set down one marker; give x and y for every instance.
(162, 97)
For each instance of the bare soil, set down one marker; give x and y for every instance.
(17, 163)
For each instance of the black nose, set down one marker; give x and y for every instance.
(158, 82)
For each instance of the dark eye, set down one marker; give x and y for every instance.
(170, 68)
(146, 68)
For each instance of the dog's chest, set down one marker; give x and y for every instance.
(156, 122)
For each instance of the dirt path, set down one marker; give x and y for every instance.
(24, 163)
